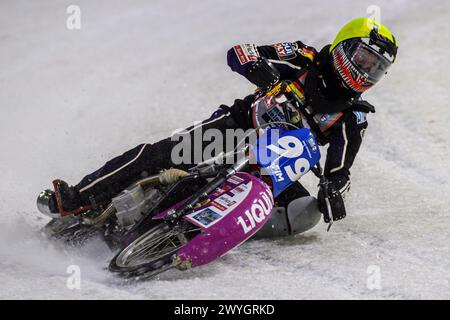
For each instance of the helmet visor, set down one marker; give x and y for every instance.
(367, 60)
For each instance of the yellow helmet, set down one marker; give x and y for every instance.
(362, 53)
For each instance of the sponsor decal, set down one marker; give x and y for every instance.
(218, 206)
(312, 144)
(276, 171)
(258, 212)
(246, 53)
(221, 206)
(360, 117)
(286, 50)
(206, 216)
(251, 51)
(235, 180)
(225, 201)
(219, 191)
(325, 121)
(276, 114)
(237, 191)
(325, 117)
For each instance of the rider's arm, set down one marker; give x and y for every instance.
(287, 57)
(344, 139)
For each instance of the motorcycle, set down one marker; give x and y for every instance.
(184, 219)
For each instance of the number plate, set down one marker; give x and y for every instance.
(286, 155)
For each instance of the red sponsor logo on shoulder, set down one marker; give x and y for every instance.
(245, 53)
(241, 55)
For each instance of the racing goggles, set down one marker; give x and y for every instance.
(370, 61)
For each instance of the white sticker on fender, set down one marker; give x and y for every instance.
(220, 207)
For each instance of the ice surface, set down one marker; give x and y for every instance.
(137, 70)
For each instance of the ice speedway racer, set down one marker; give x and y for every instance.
(184, 219)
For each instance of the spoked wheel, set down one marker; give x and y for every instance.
(151, 253)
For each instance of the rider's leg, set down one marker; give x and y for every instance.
(295, 212)
(149, 159)
(146, 159)
(103, 184)
(295, 191)
(122, 171)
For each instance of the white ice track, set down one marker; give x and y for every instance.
(137, 70)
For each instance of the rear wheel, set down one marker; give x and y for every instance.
(153, 252)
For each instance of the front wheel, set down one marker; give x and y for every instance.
(151, 253)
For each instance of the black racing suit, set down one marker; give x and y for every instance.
(334, 115)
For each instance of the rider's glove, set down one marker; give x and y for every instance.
(263, 74)
(331, 198)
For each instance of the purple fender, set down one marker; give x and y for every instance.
(236, 211)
